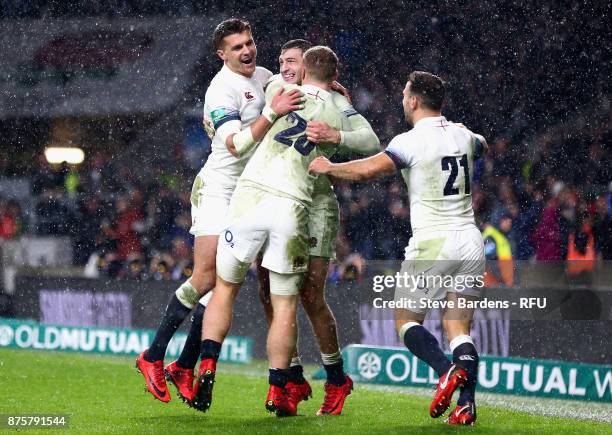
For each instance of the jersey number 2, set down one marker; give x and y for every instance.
(286, 136)
(449, 163)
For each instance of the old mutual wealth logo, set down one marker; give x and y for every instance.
(369, 365)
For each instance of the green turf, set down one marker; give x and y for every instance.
(105, 394)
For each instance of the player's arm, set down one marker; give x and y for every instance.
(481, 146)
(376, 166)
(360, 138)
(398, 155)
(281, 103)
(356, 135)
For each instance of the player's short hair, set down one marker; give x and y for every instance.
(429, 87)
(302, 44)
(226, 28)
(321, 63)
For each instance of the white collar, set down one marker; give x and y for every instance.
(432, 120)
(316, 92)
(226, 70)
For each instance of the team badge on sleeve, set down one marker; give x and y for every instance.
(223, 114)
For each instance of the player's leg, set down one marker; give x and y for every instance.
(409, 323)
(237, 249)
(181, 303)
(429, 275)
(296, 375)
(217, 322)
(186, 296)
(263, 279)
(286, 257)
(282, 338)
(180, 372)
(457, 323)
(338, 385)
(420, 341)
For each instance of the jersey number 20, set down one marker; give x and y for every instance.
(286, 136)
(449, 163)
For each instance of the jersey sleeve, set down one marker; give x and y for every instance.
(400, 151)
(222, 106)
(360, 138)
(479, 146)
(356, 134)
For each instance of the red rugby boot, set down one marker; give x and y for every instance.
(298, 392)
(279, 402)
(203, 388)
(153, 373)
(182, 379)
(335, 396)
(454, 378)
(465, 414)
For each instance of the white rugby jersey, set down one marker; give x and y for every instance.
(230, 97)
(366, 142)
(280, 163)
(436, 160)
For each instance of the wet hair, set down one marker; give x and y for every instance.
(302, 44)
(429, 88)
(226, 28)
(321, 63)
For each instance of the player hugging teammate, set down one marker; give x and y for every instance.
(233, 100)
(264, 196)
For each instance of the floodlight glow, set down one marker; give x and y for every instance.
(56, 155)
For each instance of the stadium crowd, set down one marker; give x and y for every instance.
(551, 184)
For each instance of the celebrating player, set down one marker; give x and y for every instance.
(276, 178)
(435, 159)
(233, 104)
(322, 229)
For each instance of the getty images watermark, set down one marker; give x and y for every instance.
(520, 290)
(427, 291)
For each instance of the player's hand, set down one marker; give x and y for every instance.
(209, 128)
(320, 165)
(285, 102)
(319, 132)
(342, 91)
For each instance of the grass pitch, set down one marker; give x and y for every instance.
(105, 395)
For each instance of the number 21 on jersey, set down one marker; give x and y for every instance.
(449, 163)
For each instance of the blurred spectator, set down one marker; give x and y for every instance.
(581, 252)
(128, 224)
(9, 226)
(53, 215)
(602, 229)
(498, 252)
(87, 224)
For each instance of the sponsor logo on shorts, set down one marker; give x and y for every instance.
(299, 262)
(466, 358)
(229, 238)
(313, 242)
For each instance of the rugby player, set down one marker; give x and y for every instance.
(233, 106)
(276, 178)
(322, 227)
(436, 159)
